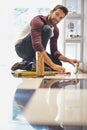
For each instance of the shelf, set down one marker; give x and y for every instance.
(73, 16)
(73, 40)
(73, 33)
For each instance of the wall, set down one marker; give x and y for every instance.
(85, 37)
(85, 32)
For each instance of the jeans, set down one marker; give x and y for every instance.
(25, 50)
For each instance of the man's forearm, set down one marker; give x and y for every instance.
(47, 60)
(63, 58)
(71, 61)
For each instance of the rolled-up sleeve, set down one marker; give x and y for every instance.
(36, 34)
(54, 43)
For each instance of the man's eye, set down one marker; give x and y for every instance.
(57, 14)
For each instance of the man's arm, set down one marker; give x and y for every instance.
(71, 61)
(49, 62)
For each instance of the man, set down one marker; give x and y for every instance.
(35, 37)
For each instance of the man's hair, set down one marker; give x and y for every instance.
(63, 8)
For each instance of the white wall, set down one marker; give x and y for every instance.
(84, 65)
(85, 32)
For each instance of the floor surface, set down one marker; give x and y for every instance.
(51, 103)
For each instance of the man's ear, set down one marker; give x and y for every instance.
(51, 12)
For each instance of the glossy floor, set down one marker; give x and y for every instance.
(50, 103)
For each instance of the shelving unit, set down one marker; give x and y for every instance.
(73, 32)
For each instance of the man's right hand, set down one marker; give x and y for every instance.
(49, 62)
(58, 68)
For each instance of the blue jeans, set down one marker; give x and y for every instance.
(25, 50)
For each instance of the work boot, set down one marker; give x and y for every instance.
(46, 68)
(20, 65)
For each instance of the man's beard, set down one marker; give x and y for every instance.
(52, 22)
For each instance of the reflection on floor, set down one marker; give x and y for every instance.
(49, 103)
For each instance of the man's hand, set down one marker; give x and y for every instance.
(49, 62)
(73, 62)
(58, 68)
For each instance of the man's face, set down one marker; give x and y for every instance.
(55, 17)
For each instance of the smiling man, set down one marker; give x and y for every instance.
(35, 37)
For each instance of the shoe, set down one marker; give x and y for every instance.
(29, 66)
(46, 68)
(19, 65)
